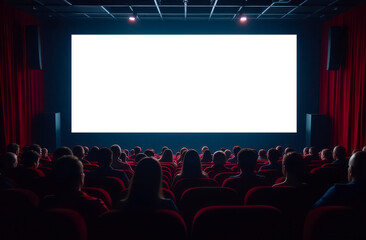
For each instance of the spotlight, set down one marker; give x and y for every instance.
(243, 19)
(132, 19)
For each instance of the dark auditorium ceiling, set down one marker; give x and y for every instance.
(185, 9)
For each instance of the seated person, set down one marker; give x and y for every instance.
(45, 157)
(92, 155)
(219, 160)
(326, 155)
(149, 152)
(293, 169)
(273, 155)
(119, 158)
(203, 149)
(339, 156)
(104, 156)
(207, 156)
(79, 152)
(289, 149)
(29, 170)
(280, 150)
(313, 155)
(227, 154)
(68, 175)
(145, 192)
(305, 151)
(136, 150)
(191, 166)
(262, 156)
(236, 150)
(247, 179)
(167, 156)
(60, 152)
(352, 193)
(140, 156)
(8, 164)
(13, 148)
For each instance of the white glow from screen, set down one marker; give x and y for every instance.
(184, 83)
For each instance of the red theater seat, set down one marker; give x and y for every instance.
(194, 199)
(336, 223)
(113, 185)
(17, 209)
(271, 175)
(238, 222)
(160, 224)
(220, 178)
(99, 193)
(185, 183)
(59, 224)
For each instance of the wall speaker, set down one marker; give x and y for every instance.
(318, 131)
(336, 47)
(47, 130)
(33, 47)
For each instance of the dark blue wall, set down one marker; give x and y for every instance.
(57, 67)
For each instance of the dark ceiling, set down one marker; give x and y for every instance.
(185, 9)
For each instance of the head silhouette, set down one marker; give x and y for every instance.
(191, 164)
(289, 149)
(326, 155)
(339, 152)
(137, 150)
(13, 148)
(219, 158)
(78, 151)
(145, 186)
(104, 156)
(116, 149)
(140, 156)
(203, 149)
(227, 154)
(247, 160)
(36, 148)
(207, 156)
(68, 173)
(262, 154)
(167, 156)
(293, 164)
(60, 152)
(92, 155)
(236, 150)
(280, 150)
(44, 152)
(273, 155)
(357, 167)
(313, 151)
(305, 151)
(149, 152)
(30, 159)
(123, 157)
(8, 161)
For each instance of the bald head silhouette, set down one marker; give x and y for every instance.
(357, 167)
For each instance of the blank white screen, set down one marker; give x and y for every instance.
(184, 83)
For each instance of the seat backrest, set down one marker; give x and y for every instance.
(99, 193)
(159, 224)
(59, 224)
(113, 185)
(336, 223)
(194, 199)
(185, 183)
(271, 175)
(220, 178)
(238, 222)
(90, 166)
(17, 209)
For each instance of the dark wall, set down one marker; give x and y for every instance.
(57, 67)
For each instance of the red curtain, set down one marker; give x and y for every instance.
(342, 92)
(21, 88)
